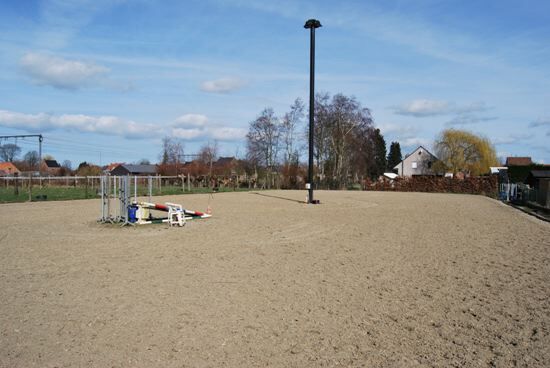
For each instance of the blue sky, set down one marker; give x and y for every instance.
(107, 79)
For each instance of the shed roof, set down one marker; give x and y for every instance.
(225, 160)
(52, 163)
(540, 174)
(112, 165)
(140, 169)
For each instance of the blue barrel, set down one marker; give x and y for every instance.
(132, 214)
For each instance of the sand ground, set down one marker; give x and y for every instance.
(364, 279)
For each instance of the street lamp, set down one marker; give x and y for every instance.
(311, 24)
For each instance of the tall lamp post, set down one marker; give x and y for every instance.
(311, 24)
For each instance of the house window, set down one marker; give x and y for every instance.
(414, 165)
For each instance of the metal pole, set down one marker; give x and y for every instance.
(311, 24)
(311, 109)
(40, 139)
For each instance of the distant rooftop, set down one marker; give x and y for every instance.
(518, 161)
(142, 169)
(52, 163)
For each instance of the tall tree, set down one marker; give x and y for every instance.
(9, 152)
(31, 159)
(67, 164)
(288, 132)
(463, 151)
(341, 136)
(321, 133)
(379, 162)
(172, 151)
(208, 154)
(262, 141)
(394, 156)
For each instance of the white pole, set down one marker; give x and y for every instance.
(150, 185)
(135, 189)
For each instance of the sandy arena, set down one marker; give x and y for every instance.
(365, 279)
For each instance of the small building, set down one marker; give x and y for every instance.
(128, 169)
(540, 181)
(108, 168)
(419, 162)
(8, 169)
(536, 176)
(50, 168)
(518, 161)
(225, 166)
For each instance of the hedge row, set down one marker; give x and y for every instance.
(486, 185)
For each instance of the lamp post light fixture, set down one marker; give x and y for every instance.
(311, 24)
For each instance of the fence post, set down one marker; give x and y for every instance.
(30, 188)
(86, 189)
(150, 186)
(15, 186)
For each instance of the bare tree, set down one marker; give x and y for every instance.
(67, 164)
(288, 132)
(31, 159)
(341, 138)
(321, 132)
(9, 152)
(208, 154)
(172, 151)
(263, 141)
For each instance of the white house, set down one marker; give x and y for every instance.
(419, 162)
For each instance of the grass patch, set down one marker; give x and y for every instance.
(64, 193)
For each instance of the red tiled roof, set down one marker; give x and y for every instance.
(8, 167)
(113, 165)
(518, 161)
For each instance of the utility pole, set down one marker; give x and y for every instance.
(40, 139)
(311, 24)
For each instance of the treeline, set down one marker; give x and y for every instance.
(347, 146)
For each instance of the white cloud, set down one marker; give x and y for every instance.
(415, 142)
(227, 133)
(400, 131)
(191, 120)
(194, 127)
(223, 85)
(466, 119)
(106, 125)
(512, 139)
(59, 72)
(191, 127)
(189, 134)
(11, 119)
(424, 107)
(220, 133)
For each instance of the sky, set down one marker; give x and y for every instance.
(105, 80)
